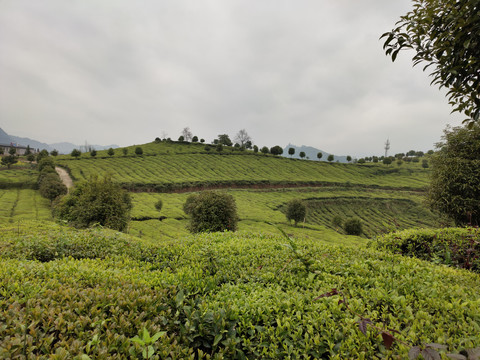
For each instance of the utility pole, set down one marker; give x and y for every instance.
(387, 147)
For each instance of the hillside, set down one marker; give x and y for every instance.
(314, 293)
(165, 167)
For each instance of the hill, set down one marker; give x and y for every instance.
(4, 138)
(166, 167)
(311, 153)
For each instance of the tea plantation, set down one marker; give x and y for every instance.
(88, 293)
(268, 291)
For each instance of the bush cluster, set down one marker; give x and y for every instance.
(49, 183)
(97, 201)
(457, 247)
(211, 211)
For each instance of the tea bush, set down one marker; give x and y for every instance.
(222, 295)
(458, 247)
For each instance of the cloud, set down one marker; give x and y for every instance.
(306, 72)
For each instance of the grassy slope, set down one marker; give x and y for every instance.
(197, 166)
(380, 210)
(244, 293)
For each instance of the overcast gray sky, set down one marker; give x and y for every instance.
(306, 72)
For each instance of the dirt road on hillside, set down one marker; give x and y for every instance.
(66, 179)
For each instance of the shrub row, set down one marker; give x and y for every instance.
(223, 295)
(457, 247)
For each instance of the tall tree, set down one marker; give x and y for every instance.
(76, 153)
(291, 151)
(187, 134)
(445, 35)
(455, 181)
(224, 139)
(242, 138)
(319, 155)
(276, 150)
(330, 158)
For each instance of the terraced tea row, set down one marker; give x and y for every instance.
(20, 205)
(380, 210)
(166, 172)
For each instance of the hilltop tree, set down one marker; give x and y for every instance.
(138, 151)
(111, 152)
(255, 148)
(445, 35)
(54, 152)
(319, 155)
(276, 150)
(425, 164)
(264, 150)
(76, 153)
(93, 153)
(211, 211)
(330, 158)
(224, 139)
(242, 138)
(187, 134)
(302, 154)
(455, 181)
(349, 158)
(96, 201)
(219, 147)
(195, 139)
(125, 151)
(387, 161)
(181, 138)
(291, 151)
(296, 211)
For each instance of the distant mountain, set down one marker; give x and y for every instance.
(62, 147)
(311, 153)
(4, 138)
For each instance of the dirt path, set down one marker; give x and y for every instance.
(66, 179)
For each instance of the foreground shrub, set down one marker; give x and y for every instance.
(296, 211)
(458, 247)
(353, 226)
(97, 201)
(211, 211)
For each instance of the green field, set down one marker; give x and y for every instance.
(17, 177)
(163, 171)
(23, 204)
(380, 210)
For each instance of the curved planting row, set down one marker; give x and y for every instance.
(170, 172)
